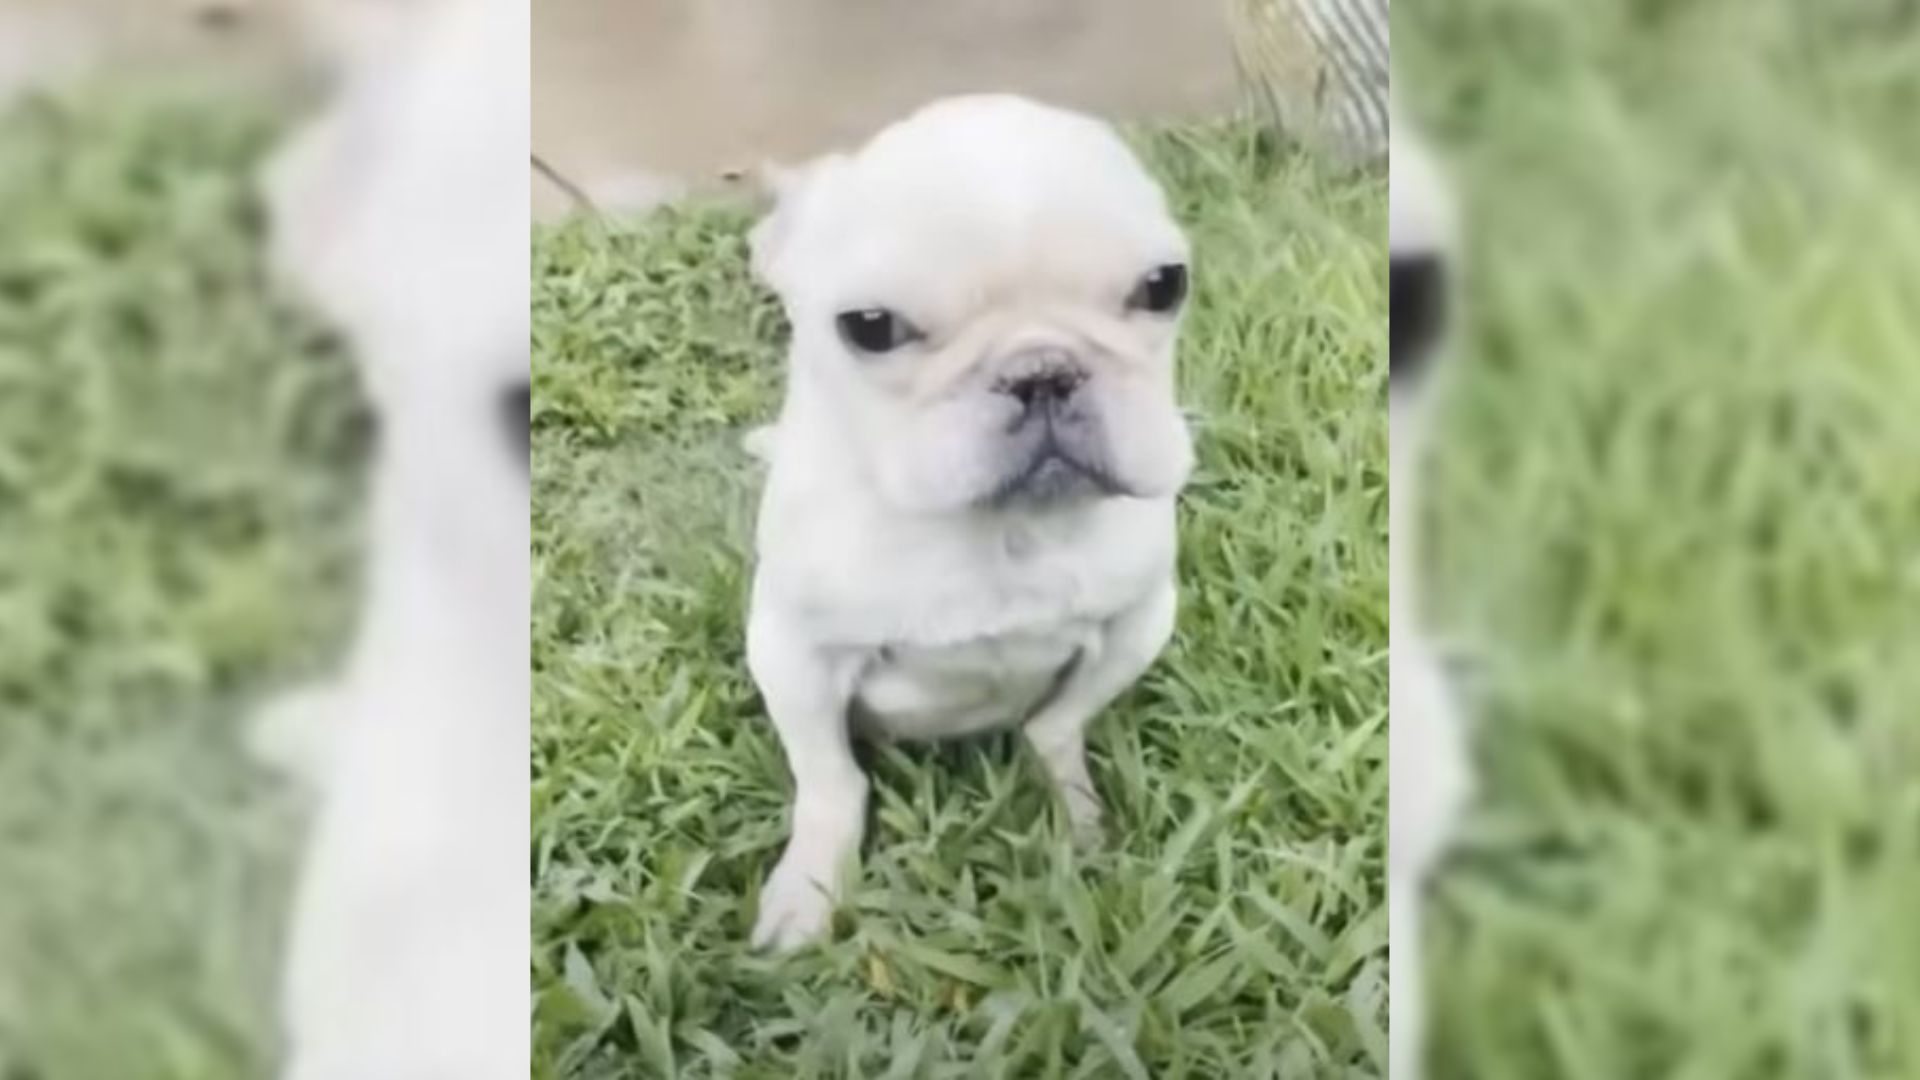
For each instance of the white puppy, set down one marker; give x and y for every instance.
(1426, 759)
(969, 519)
(402, 214)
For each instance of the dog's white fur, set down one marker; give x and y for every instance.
(1426, 759)
(401, 213)
(891, 587)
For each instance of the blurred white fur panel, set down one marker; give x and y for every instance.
(1427, 763)
(401, 214)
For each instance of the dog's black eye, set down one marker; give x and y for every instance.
(516, 404)
(875, 330)
(1161, 290)
(1418, 316)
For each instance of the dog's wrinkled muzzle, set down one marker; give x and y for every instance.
(1055, 448)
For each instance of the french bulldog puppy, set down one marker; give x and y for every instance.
(401, 215)
(968, 521)
(1426, 757)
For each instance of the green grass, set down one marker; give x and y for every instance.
(178, 465)
(1233, 926)
(1677, 536)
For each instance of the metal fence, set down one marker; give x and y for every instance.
(1318, 70)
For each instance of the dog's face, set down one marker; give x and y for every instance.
(401, 214)
(985, 299)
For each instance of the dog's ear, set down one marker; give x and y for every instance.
(789, 192)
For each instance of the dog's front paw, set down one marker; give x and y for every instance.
(759, 443)
(294, 734)
(1089, 831)
(796, 908)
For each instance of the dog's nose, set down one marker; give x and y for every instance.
(1045, 381)
(1045, 390)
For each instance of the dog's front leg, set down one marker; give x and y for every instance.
(1057, 731)
(1431, 783)
(807, 691)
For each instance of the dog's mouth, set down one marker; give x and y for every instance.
(1052, 473)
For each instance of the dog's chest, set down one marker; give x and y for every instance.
(854, 583)
(938, 691)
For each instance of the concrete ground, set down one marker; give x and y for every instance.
(634, 97)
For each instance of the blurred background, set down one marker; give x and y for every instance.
(180, 460)
(1676, 534)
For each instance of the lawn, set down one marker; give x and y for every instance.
(179, 463)
(1676, 536)
(1234, 924)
